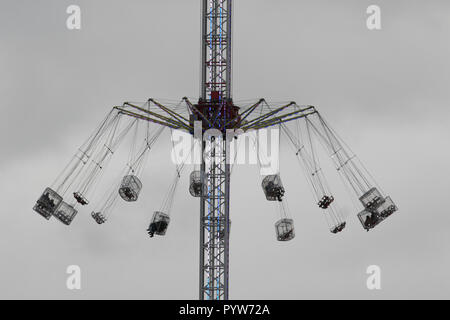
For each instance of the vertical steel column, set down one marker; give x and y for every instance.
(226, 235)
(205, 48)
(229, 51)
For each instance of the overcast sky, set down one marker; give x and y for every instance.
(386, 92)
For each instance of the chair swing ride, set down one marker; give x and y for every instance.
(304, 127)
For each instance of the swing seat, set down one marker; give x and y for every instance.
(130, 188)
(371, 199)
(80, 198)
(99, 217)
(377, 209)
(285, 230)
(387, 208)
(65, 213)
(369, 220)
(48, 203)
(339, 228)
(325, 202)
(159, 224)
(197, 185)
(273, 188)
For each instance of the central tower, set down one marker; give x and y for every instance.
(217, 113)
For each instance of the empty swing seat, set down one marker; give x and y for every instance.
(285, 230)
(65, 213)
(197, 184)
(99, 217)
(130, 188)
(273, 188)
(48, 203)
(80, 198)
(159, 224)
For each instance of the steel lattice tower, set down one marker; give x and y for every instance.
(215, 204)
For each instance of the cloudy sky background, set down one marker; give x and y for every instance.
(386, 92)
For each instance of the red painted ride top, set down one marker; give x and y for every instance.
(217, 113)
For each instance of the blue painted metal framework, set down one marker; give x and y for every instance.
(215, 204)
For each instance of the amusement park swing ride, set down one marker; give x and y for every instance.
(304, 127)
